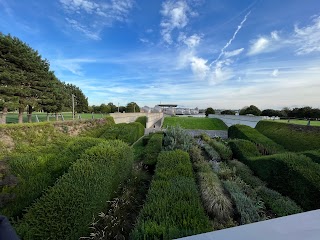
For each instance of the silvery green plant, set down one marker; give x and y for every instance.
(177, 138)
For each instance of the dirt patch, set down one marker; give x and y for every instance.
(6, 142)
(305, 129)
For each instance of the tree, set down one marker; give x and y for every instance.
(113, 108)
(228, 112)
(132, 107)
(81, 101)
(250, 110)
(209, 111)
(271, 113)
(105, 108)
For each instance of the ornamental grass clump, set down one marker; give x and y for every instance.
(223, 149)
(213, 154)
(173, 208)
(177, 138)
(66, 209)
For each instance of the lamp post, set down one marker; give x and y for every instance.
(73, 97)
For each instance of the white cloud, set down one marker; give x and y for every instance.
(275, 35)
(199, 67)
(175, 15)
(275, 73)
(91, 16)
(307, 39)
(233, 53)
(259, 45)
(192, 41)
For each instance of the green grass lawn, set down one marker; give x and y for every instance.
(300, 122)
(13, 117)
(195, 123)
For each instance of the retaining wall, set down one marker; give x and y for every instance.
(152, 118)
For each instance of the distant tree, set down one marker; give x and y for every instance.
(228, 112)
(132, 107)
(250, 110)
(105, 108)
(113, 108)
(81, 101)
(271, 113)
(122, 109)
(209, 111)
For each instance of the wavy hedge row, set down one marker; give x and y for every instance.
(293, 137)
(313, 155)
(279, 205)
(127, 132)
(265, 145)
(223, 150)
(293, 175)
(97, 131)
(243, 149)
(152, 149)
(66, 209)
(38, 170)
(173, 208)
(143, 120)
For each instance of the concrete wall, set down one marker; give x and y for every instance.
(230, 120)
(131, 117)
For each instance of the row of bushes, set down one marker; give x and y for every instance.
(98, 130)
(223, 149)
(152, 149)
(143, 120)
(265, 145)
(66, 209)
(279, 205)
(216, 202)
(173, 208)
(313, 155)
(127, 132)
(293, 137)
(37, 170)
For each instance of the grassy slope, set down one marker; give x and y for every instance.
(195, 123)
(300, 122)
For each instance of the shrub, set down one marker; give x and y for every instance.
(280, 205)
(245, 206)
(245, 173)
(38, 170)
(173, 208)
(265, 145)
(152, 149)
(216, 203)
(213, 154)
(291, 174)
(143, 120)
(293, 137)
(99, 129)
(65, 210)
(223, 150)
(127, 132)
(243, 149)
(313, 155)
(177, 138)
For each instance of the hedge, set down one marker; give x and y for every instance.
(173, 208)
(38, 170)
(293, 175)
(143, 120)
(279, 205)
(243, 149)
(152, 149)
(223, 150)
(127, 132)
(293, 137)
(313, 155)
(265, 145)
(66, 209)
(99, 129)
(213, 154)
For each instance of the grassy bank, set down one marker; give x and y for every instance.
(195, 123)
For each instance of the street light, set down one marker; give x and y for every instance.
(73, 97)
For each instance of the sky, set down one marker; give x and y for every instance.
(224, 54)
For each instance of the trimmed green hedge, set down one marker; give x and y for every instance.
(293, 175)
(127, 132)
(280, 205)
(38, 170)
(243, 149)
(66, 209)
(265, 145)
(152, 149)
(313, 155)
(143, 120)
(97, 131)
(293, 137)
(173, 208)
(223, 150)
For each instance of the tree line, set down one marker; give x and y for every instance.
(28, 84)
(111, 108)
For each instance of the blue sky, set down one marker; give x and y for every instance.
(195, 53)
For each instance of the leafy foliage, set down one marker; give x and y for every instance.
(243, 149)
(213, 154)
(173, 208)
(292, 137)
(223, 149)
(313, 155)
(209, 111)
(265, 145)
(250, 110)
(64, 211)
(152, 149)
